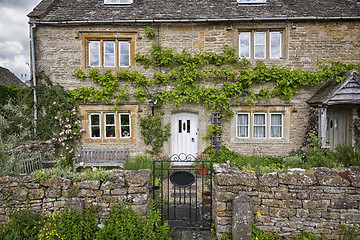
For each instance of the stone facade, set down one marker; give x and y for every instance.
(60, 49)
(316, 201)
(20, 192)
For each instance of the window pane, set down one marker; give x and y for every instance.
(259, 44)
(95, 132)
(259, 126)
(275, 44)
(244, 40)
(125, 119)
(95, 119)
(109, 54)
(110, 125)
(276, 125)
(110, 119)
(124, 54)
(94, 53)
(95, 125)
(125, 130)
(243, 125)
(110, 131)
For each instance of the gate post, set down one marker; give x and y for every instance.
(242, 217)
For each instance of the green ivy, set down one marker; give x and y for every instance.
(149, 31)
(153, 133)
(217, 81)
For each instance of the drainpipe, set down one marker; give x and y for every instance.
(33, 73)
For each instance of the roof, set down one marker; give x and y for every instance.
(345, 92)
(8, 78)
(95, 10)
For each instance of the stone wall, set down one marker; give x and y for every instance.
(20, 192)
(288, 203)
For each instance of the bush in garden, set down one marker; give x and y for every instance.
(69, 224)
(22, 225)
(124, 223)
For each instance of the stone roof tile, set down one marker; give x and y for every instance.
(95, 10)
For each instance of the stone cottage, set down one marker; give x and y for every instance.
(107, 34)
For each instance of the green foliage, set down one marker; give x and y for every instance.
(349, 234)
(21, 225)
(211, 130)
(68, 224)
(256, 164)
(185, 73)
(150, 33)
(348, 155)
(15, 128)
(124, 223)
(153, 134)
(66, 172)
(16, 93)
(139, 162)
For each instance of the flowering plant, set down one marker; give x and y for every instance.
(69, 135)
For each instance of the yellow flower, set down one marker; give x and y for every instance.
(258, 213)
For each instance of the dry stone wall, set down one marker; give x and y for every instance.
(288, 203)
(19, 192)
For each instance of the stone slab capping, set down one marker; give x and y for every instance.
(318, 201)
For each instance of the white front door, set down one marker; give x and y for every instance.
(184, 134)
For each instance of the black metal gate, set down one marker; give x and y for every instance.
(183, 190)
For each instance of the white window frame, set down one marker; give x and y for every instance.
(242, 46)
(119, 53)
(90, 125)
(113, 54)
(254, 125)
(248, 126)
(91, 56)
(118, 1)
(268, 47)
(282, 125)
(120, 125)
(109, 125)
(263, 45)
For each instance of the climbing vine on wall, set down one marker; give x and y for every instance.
(217, 81)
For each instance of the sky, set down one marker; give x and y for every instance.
(14, 36)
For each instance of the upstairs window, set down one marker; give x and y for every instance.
(118, 1)
(260, 44)
(109, 53)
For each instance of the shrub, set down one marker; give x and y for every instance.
(21, 225)
(348, 155)
(141, 161)
(124, 223)
(69, 224)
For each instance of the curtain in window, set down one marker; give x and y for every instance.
(259, 126)
(275, 44)
(243, 125)
(276, 126)
(124, 54)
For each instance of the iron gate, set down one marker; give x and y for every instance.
(183, 190)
